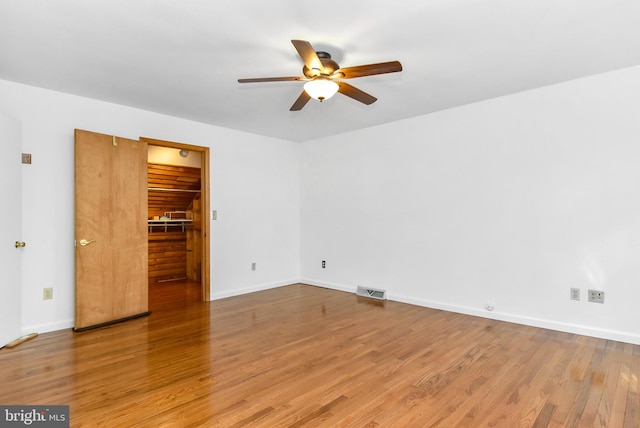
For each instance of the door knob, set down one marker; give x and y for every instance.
(20, 244)
(84, 242)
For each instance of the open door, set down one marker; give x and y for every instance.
(10, 229)
(202, 240)
(110, 229)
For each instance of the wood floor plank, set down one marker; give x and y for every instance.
(632, 411)
(299, 356)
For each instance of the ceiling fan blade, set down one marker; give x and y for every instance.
(370, 69)
(355, 93)
(271, 79)
(300, 102)
(308, 54)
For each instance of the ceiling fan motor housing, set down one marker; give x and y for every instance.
(329, 66)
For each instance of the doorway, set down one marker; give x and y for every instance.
(190, 219)
(111, 252)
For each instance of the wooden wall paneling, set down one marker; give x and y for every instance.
(170, 253)
(175, 178)
(167, 256)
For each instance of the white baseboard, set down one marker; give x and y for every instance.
(252, 289)
(330, 285)
(48, 327)
(496, 315)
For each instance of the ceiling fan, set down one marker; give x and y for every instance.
(323, 75)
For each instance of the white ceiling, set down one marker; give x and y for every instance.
(183, 58)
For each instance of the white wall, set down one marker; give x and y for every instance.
(508, 202)
(254, 187)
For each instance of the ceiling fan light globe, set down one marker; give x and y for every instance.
(321, 89)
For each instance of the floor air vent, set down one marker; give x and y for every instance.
(372, 292)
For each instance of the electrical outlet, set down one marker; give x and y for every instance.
(47, 293)
(574, 293)
(324, 264)
(253, 266)
(596, 296)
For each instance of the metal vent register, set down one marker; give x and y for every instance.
(372, 292)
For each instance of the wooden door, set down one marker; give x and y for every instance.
(10, 229)
(110, 229)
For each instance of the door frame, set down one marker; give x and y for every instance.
(205, 282)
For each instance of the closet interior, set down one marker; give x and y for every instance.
(174, 219)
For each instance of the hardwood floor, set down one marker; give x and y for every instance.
(306, 356)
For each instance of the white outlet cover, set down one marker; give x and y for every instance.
(574, 294)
